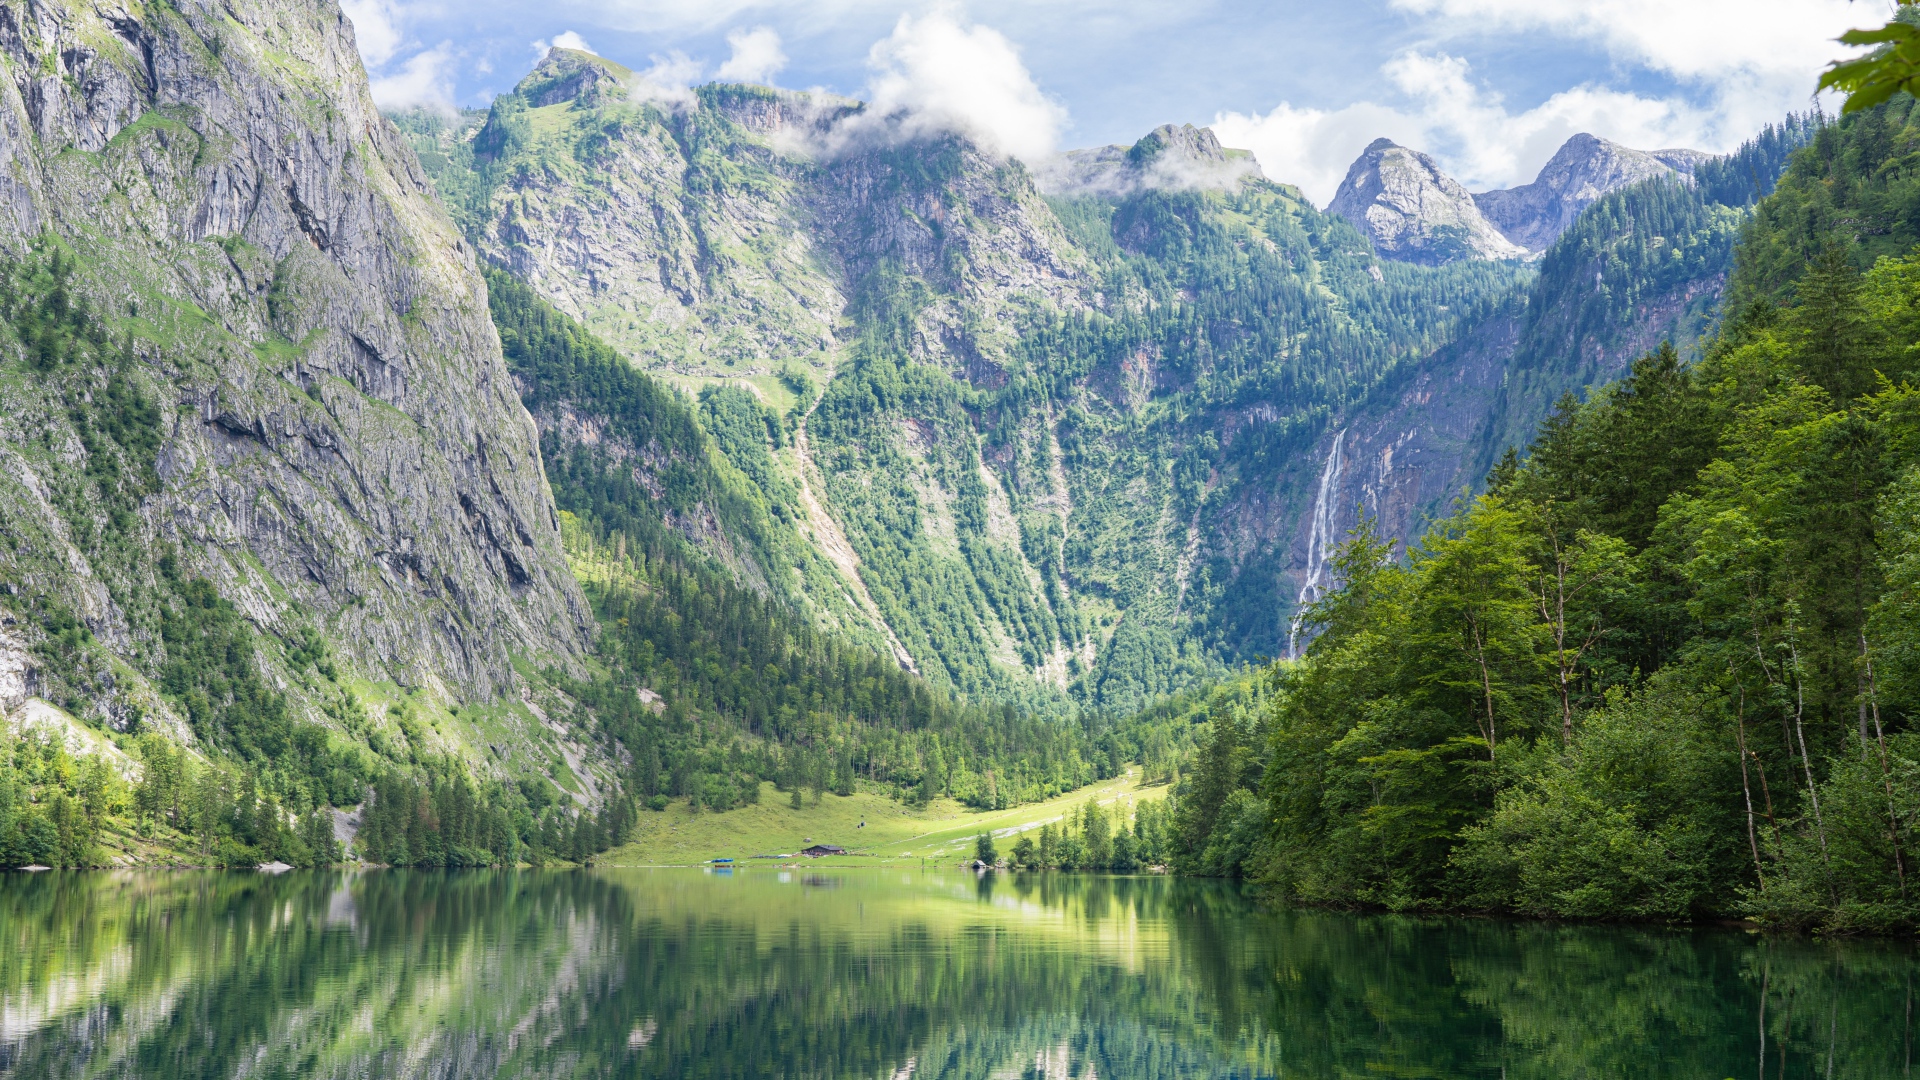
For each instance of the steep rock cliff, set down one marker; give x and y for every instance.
(1642, 265)
(334, 442)
(1076, 441)
(1036, 408)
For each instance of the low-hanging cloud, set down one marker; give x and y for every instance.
(565, 39)
(757, 56)
(934, 75)
(376, 29)
(670, 80)
(423, 81)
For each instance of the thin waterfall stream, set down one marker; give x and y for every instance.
(1319, 539)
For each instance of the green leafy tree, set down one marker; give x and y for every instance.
(1892, 67)
(983, 849)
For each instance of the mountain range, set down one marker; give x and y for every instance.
(1412, 210)
(287, 480)
(1075, 418)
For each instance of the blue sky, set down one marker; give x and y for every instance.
(1490, 87)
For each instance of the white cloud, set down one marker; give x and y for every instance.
(1688, 39)
(425, 80)
(566, 39)
(376, 29)
(670, 79)
(1439, 108)
(757, 56)
(1733, 66)
(933, 75)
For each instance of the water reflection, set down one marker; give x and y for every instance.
(889, 975)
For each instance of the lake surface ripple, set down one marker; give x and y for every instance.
(891, 975)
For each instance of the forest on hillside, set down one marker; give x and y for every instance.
(742, 688)
(1665, 666)
(1212, 337)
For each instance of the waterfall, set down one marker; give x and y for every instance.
(1319, 539)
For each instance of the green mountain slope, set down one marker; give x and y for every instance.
(740, 686)
(1036, 411)
(1663, 670)
(1643, 265)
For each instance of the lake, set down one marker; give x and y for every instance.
(769, 972)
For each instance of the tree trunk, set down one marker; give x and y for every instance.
(1806, 761)
(1486, 685)
(1886, 772)
(1746, 789)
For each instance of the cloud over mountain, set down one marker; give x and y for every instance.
(935, 75)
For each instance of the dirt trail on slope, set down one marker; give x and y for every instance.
(827, 534)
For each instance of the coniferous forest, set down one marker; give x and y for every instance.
(1663, 667)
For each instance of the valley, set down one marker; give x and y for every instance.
(791, 453)
(875, 831)
(515, 563)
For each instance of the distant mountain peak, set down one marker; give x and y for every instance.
(1178, 157)
(572, 75)
(1580, 173)
(1413, 212)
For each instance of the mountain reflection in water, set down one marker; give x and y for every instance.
(890, 974)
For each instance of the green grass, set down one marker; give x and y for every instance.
(894, 834)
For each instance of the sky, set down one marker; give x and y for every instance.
(1490, 88)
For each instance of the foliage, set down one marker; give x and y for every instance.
(53, 806)
(1659, 671)
(984, 850)
(445, 820)
(741, 688)
(228, 818)
(1128, 838)
(1892, 68)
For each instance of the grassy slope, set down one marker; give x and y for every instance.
(894, 834)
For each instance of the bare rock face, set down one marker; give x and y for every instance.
(1584, 169)
(342, 447)
(1414, 212)
(679, 269)
(1169, 158)
(728, 235)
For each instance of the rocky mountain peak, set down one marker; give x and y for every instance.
(1414, 212)
(1585, 168)
(1177, 157)
(573, 75)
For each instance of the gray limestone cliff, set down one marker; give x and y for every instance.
(750, 237)
(340, 447)
(1414, 212)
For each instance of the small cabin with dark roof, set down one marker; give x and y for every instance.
(818, 850)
